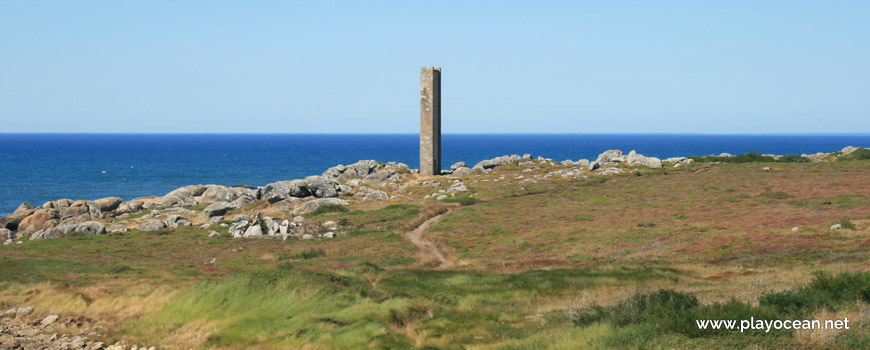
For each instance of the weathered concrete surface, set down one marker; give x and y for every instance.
(430, 121)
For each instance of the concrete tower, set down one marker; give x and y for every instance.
(430, 121)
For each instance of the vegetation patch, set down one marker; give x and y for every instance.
(751, 157)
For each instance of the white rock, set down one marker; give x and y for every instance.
(330, 225)
(795, 229)
(48, 320)
(329, 235)
(836, 227)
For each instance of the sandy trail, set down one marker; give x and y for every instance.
(427, 247)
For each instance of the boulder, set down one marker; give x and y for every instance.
(253, 231)
(610, 156)
(375, 196)
(277, 191)
(497, 161)
(329, 225)
(320, 188)
(23, 311)
(213, 234)
(594, 165)
(457, 188)
(217, 209)
(152, 225)
(48, 320)
(634, 158)
(175, 221)
(458, 165)
(272, 226)
(132, 206)
(6, 234)
(242, 202)
(80, 211)
(365, 167)
(462, 171)
(23, 210)
(60, 203)
(377, 177)
(92, 227)
(216, 193)
(42, 218)
(180, 196)
(239, 228)
(109, 203)
(313, 204)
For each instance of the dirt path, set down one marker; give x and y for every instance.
(427, 247)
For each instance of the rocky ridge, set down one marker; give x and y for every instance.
(365, 180)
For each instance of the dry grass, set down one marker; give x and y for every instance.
(427, 213)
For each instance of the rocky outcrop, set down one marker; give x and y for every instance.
(80, 211)
(109, 203)
(277, 191)
(217, 209)
(90, 227)
(360, 169)
(152, 225)
(12, 221)
(498, 161)
(40, 219)
(461, 171)
(615, 157)
(634, 159)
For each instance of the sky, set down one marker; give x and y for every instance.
(507, 67)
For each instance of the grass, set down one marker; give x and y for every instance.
(461, 200)
(751, 157)
(859, 154)
(668, 311)
(330, 208)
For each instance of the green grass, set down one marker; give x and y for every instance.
(331, 208)
(304, 255)
(667, 311)
(859, 154)
(751, 157)
(844, 201)
(461, 200)
(76, 273)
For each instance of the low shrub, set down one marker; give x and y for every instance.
(825, 291)
(331, 208)
(847, 224)
(304, 255)
(668, 311)
(752, 157)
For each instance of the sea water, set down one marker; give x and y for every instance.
(41, 167)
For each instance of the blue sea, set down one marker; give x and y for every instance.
(41, 167)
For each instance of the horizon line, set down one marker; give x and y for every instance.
(451, 133)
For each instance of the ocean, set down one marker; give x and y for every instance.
(41, 167)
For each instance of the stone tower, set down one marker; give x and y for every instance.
(430, 121)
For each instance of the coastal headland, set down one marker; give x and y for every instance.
(513, 252)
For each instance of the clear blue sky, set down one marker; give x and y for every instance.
(508, 67)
